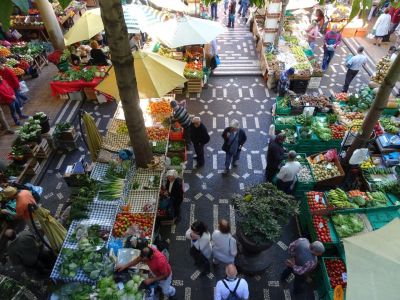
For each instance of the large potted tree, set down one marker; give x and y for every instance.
(262, 212)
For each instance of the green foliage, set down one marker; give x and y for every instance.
(263, 214)
(64, 3)
(6, 7)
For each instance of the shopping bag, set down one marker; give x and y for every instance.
(217, 60)
(23, 88)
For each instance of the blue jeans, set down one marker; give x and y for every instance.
(214, 8)
(20, 98)
(15, 110)
(231, 20)
(228, 159)
(327, 59)
(243, 9)
(312, 45)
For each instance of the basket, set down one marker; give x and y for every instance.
(176, 135)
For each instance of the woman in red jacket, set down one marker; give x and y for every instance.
(12, 80)
(7, 96)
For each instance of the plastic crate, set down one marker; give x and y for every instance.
(379, 218)
(390, 111)
(314, 236)
(325, 276)
(282, 126)
(282, 111)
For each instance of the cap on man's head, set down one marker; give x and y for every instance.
(360, 49)
(173, 104)
(9, 191)
(317, 247)
(291, 71)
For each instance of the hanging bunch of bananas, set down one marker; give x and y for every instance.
(93, 135)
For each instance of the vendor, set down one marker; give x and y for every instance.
(159, 267)
(174, 190)
(275, 156)
(284, 82)
(320, 19)
(286, 177)
(23, 199)
(98, 58)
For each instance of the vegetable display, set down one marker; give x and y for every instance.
(158, 147)
(107, 289)
(157, 133)
(321, 227)
(338, 131)
(124, 220)
(111, 188)
(320, 101)
(290, 135)
(324, 170)
(176, 160)
(347, 225)
(315, 201)
(336, 271)
(304, 174)
(338, 198)
(285, 120)
(176, 146)
(162, 107)
(390, 125)
(283, 102)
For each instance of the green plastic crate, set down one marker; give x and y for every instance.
(282, 126)
(380, 218)
(314, 236)
(326, 282)
(390, 111)
(282, 111)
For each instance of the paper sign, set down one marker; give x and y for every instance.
(154, 144)
(344, 277)
(321, 225)
(120, 285)
(329, 166)
(316, 198)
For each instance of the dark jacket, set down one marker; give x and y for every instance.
(242, 135)
(176, 191)
(275, 154)
(199, 135)
(98, 58)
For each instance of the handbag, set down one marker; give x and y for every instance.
(198, 256)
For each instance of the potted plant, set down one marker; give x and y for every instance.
(64, 131)
(20, 153)
(44, 121)
(262, 213)
(30, 132)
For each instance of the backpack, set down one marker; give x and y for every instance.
(232, 294)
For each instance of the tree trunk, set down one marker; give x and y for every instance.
(281, 22)
(122, 59)
(51, 23)
(379, 104)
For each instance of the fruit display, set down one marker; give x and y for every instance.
(338, 198)
(324, 170)
(336, 270)
(18, 71)
(161, 107)
(320, 101)
(157, 133)
(315, 201)
(321, 227)
(338, 131)
(366, 164)
(378, 129)
(347, 225)
(390, 125)
(143, 223)
(341, 96)
(361, 101)
(4, 52)
(164, 51)
(382, 68)
(304, 174)
(193, 70)
(302, 60)
(122, 128)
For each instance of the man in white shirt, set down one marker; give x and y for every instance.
(354, 65)
(231, 286)
(287, 174)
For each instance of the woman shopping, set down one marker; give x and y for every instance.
(200, 248)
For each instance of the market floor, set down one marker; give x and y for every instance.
(228, 97)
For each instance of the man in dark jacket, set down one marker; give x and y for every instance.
(275, 156)
(174, 190)
(181, 115)
(199, 136)
(234, 138)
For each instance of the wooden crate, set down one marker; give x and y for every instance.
(68, 135)
(33, 168)
(90, 94)
(43, 150)
(194, 85)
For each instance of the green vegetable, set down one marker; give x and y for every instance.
(176, 161)
(347, 225)
(176, 146)
(159, 147)
(135, 185)
(111, 189)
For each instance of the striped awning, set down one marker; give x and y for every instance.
(138, 17)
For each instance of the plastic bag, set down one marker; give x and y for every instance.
(23, 88)
(330, 155)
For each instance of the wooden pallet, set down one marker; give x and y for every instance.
(43, 150)
(194, 85)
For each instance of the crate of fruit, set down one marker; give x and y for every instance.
(334, 273)
(326, 168)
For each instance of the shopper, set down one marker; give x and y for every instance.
(320, 19)
(159, 267)
(23, 198)
(4, 124)
(275, 155)
(23, 249)
(224, 247)
(332, 39)
(213, 54)
(7, 96)
(12, 80)
(354, 65)
(174, 190)
(286, 178)
(234, 139)
(200, 137)
(244, 5)
(284, 82)
(231, 287)
(382, 27)
(97, 56)
(303, 260)
(312, 34)
(180, 114)
(200, 250)
(214, 9)
(232, 11)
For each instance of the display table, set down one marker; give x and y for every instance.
(65, 87)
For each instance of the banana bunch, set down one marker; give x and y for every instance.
(93, 135)
(339, 199)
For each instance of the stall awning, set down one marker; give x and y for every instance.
(137, 17)
(296, 4)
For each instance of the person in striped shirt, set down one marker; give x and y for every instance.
(181, 115)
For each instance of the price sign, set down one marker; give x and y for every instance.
(316, 198)
(344, 277)
(154, 144)
(329, 166)
(321, 225)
